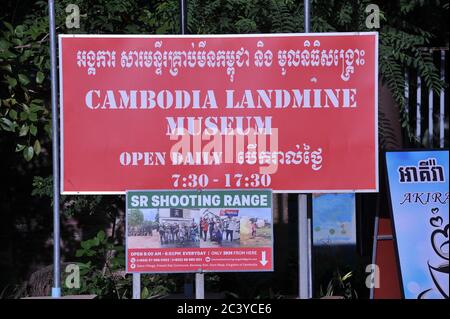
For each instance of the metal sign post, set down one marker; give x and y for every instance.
(137, 286)
(304, 248)
(199, 277)
(183, 17)
(56, 289)
(199, 286)
(304, 221)
(307, 10)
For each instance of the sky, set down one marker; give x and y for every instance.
(149, 214)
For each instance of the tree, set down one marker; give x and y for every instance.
(135, 217)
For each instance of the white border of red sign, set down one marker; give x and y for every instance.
(214, 36)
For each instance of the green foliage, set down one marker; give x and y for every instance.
(101, 260)
(42, 186)
(73, 206)
(83, 204)
(400, 50)
(96, 246)
(23, 61)
(340, 285)
(102, 272)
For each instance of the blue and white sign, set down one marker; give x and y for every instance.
(334, 219)
(419, 190)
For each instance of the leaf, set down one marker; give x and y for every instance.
(145, 293)
(7, 125)
(346, 276)
(101, 235)
(37, 101)
(35, 107)
(6, 67)
(23, 79)
(17, 42)
(79, 253)
(9, 26)
(11, 81)
(24, 130)
(85, 244)
(19, 147)
(37, 147)
(28, 153)
(19, 31)
(95, 241)
(13, 114)
(25, 56)
(40, 77)
(8, 54)
(32, 116)
(33, 129)
(23, 116)
(48, 129)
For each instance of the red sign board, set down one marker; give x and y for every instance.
(290, 112)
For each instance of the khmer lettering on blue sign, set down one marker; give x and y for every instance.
(419, 189)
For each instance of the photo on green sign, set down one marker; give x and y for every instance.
(206, 227)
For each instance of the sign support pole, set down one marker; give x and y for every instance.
(56, 289)
(304, 220)
(304, 248)
(183, 22)
(137, 286)
(199, 286)
(199, 277)
(307, 10)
